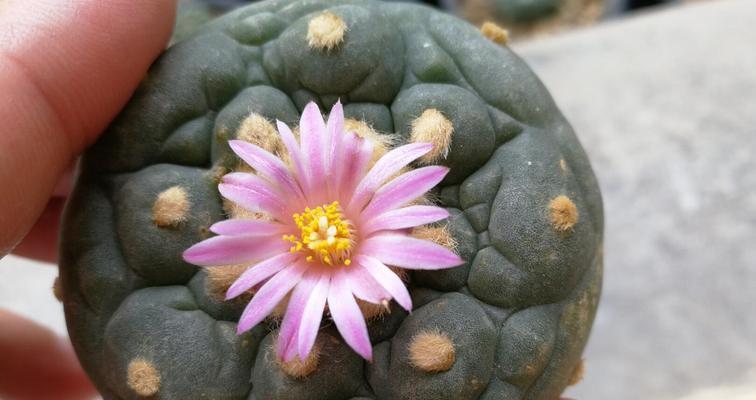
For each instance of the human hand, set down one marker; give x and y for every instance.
(66, 68)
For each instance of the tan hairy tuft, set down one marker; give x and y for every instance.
(433, 127)
(217, 173)
(220, 278)
(171, 207)
(438, 234)
(371, 310)
(257, 130)
(577, 373)
(381, 143)
(564, 214)
(432, 352)
(143, 378)
(299, 369)
(57, 289)
(326, 31)
(495, 33)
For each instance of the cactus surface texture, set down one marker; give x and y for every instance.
(526, 213)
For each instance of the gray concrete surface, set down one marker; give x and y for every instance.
(665, 105)
(745, 390)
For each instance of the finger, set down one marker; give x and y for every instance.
(41, 243)
(65, 182)
(66, 68)
(36, 364)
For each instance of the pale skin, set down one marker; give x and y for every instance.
(66, 68)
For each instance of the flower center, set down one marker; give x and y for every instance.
(324, 234)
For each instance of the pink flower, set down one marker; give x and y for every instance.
(333, 226)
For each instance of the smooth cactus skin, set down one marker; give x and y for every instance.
(519, 312)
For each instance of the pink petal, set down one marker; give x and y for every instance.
(336, 120)
(269, 295)
(388, 279)
(249, 179)
(313, 137)
(404, 189)
(247, 227)
(252, 182)
(258, 199)
(385, 168)
(348, 317)
(260, 272)
(408, 252)
(226, 250)
(351, 163)
(407, 217)
(294, 152)
(335, 126)
(267, 165)
(364, 286)
(313, 314)
(285, 346)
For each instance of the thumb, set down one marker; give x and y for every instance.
(36, 364)
(66, 68)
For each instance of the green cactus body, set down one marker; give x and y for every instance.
(190, 15)
(526, 214)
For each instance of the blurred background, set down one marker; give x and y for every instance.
(662, 95)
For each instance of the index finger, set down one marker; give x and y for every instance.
(66, 68)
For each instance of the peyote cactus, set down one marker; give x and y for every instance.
(526, 214)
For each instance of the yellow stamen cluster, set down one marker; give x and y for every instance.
(325, 234)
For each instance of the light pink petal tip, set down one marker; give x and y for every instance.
(335, 126)
(313, 314)
(295, 153)
(407, 252)
(258, 273)
(404, 189)
(353, 162)
(248, 227)
(335, 122)
(315, 143)
(269, 295)
(348, 318)
(226, 250)
(385, 168)
(402, 218)
(267, 165)
(286, 347)
(387, 279)
(254, 199)
(365, 287)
